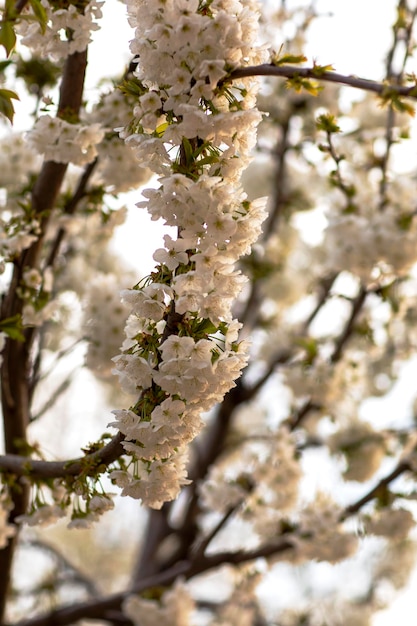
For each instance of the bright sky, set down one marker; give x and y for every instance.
(355, 38)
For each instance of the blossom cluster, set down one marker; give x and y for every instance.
(18, 229)
(103, 304)
(67, 30)
(265, 492)
(63, 142)
(320, 533)
(87, 507)
(358, 243)
(182, 352)
(117, 169)
(175, 607)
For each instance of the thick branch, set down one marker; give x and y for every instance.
(24, 466)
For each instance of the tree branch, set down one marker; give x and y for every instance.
(289, 71)
(70, 209)
(24, 466)
(403, 466)
(348, 329)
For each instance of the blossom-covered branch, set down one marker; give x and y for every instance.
(182, 351)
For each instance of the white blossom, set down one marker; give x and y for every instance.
(175, 608)
(56, 42)
(63, 142)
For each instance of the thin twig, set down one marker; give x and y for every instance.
(402, 467)
(199, 550)
(394, 77)
(54, 397)
(70, 208)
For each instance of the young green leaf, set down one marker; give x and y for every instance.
(40, 13)
(6, 106)
(7, 36)
(12, 326)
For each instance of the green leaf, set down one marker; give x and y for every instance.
(3, 65)
(405, 220)
(188, 150)
(289, 59)
(161, 129)
(12, 326)
(6, 106)
(392, 98)
(328, 123)
(133, 87)
(7, 36)
(319, 70)
(310, 346)
(298, 83)
(40, 13)
(203, 327)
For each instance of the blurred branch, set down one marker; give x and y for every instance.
(54, 397)
(199, 550)
(250, 313)
(298, 416)
(350, 325)
(325, 286)
(401, 37)
(62, 562)
(380, 488)
(58, 356)
(99, 609)
(69, 209)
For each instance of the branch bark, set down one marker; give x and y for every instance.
(24, 466)
(314, 73)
